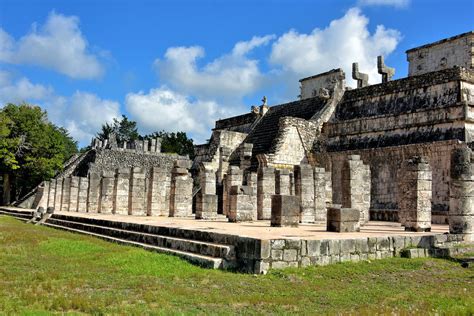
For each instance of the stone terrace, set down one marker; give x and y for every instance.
(252, 247)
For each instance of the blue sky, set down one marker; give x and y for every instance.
(180, 65)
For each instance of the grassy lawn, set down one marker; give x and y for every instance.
(43, 270)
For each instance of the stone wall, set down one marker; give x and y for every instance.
(315, 85)
(258, 256)
(450, 52)
(384, 165)
(106, 159)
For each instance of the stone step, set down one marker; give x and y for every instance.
(203, 261)
(188, 245)
(178, 232)
(17, 214)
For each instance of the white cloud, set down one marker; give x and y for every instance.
(82, 114)
(58, 45)
(87, 112)
(344, 41)
(394, 3)
(165, 109)
(231, 75)
(21, 90)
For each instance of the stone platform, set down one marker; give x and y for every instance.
(252, 247)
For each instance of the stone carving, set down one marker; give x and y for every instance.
(386, 72)
(362, 79)
(324, 93)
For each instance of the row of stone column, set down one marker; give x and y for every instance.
(415, 193)
(248, 195)
(125, 191)
(145, 145)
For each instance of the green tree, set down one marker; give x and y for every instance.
(32, 149)
(174, 143)
(124, 129)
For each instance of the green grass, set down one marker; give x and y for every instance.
(45, 271)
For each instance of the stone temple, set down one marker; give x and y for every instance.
(399, 151)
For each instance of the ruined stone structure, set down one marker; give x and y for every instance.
(390, 151)
(355, 147)
(125, 179)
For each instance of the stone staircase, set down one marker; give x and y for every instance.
(194, 246)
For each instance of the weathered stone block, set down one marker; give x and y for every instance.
(285, 210)
(290, 255)
(241, 205)
(206, 206)
(313, 248)
(343, 220)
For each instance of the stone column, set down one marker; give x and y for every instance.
(107, 192)
(137, 195)
(304, 179)
(158, 145)
(181, 201)
(82, 195)
(320, 195)
(414, 194)
(292, 183)
(153, 145)
(145, 145)
(122, 191)
(461, 194)
(159, 192)
(234, 177)
(58, 194)
(282, 182)
(52, 192)
(93, 195)
(138, 145)
(73, 196)
(328, 187)
(356, 186)
(252, 185)
(206, 198)
(65, 194)
(265, 190)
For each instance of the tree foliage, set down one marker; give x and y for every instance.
(174, 142)
(124, 129)
(32, 149)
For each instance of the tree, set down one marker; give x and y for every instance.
(174, 143)
(124, 129)
(32, 149)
